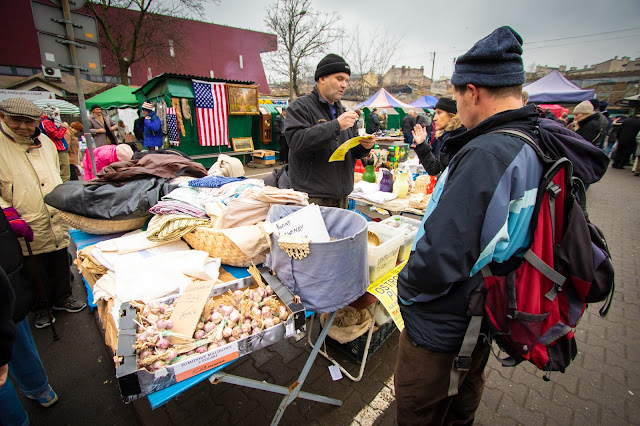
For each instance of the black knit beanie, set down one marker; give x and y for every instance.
(448, 105)
(494, 61)
(331, 64)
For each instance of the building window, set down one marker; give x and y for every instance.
(241, 64)
(211, 73)
(171, 51)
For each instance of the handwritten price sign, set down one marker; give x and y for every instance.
(385, 289)
(189, 307)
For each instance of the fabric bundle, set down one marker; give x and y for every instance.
(159, 165)
(171, 227)
(177, 207)
(213, 181)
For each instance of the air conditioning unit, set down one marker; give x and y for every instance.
(50, 72)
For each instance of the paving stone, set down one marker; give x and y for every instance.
(517, 392)
(618, 373)
(556, 411)
(514, 410)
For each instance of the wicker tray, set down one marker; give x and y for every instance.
(219, 245)
(102, 226)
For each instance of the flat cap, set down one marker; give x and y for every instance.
(20, 107)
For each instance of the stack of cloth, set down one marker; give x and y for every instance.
(370, 191)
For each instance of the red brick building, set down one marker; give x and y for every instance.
(229, 53)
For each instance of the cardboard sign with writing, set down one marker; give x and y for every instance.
(305, 223)
(189, 307)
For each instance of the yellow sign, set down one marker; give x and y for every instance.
(385, 289)
(341, 151)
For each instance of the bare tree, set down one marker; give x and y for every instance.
(141, 34)
(302, 32)
(369, 52)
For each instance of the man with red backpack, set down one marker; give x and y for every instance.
(480, 214)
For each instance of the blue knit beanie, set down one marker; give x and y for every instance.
(494, 61)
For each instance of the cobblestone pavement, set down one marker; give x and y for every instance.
(600, 387)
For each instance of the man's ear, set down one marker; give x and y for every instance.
(475, 93)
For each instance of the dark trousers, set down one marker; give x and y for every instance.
(74, 172)
(341, 203)
(53, 270)
(284, 150)
(408, 138)
(623, 155)
(422, 385)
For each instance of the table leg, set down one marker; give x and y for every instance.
(294, 390)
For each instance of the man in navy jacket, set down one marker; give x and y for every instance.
(479, 213)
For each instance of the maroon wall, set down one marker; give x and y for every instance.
(206, 47)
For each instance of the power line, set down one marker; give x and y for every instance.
(577, 42)
(581, 36)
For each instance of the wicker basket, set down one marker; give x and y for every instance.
(217, 244)
(102, 226)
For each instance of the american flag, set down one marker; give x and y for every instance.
(211, 110)
(172, 127)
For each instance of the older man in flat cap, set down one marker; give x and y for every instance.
(29, 169)
(317, 124)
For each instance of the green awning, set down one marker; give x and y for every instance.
(117, 97)
(64, 106)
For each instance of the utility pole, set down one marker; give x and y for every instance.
(76, 72)
(433, 63)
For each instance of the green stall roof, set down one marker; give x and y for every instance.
(176, 85)
(120, 96)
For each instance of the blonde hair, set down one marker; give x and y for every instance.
(453, 124)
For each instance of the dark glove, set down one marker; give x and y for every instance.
(19, 226)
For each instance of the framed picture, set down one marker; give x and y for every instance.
(242, 144)
(242, 99)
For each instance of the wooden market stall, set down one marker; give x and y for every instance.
(242, 114)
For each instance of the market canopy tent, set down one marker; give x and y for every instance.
(425, 102)
(64, 106)
(383, 99)
(554, 87)
(557, 110)
(119, 96)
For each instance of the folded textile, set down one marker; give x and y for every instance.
(159, 165)
(364, 187)
(89, 263)
(252, 240)
(185, 194)
(274, 195)
(227, 191)
(213, 181)
(110, 259)
(171, 227)
(177, 207)
(127, 200)
(378, 197)
(128, 243)
(242, 212)
(227, 166)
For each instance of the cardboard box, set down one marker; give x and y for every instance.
(264, 156)
(135, 383)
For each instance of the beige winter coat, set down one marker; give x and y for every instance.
(26, 176)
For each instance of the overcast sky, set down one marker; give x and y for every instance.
(555, 32)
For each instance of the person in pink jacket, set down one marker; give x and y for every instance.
(105, 155)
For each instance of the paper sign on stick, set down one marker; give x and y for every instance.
(189, 307)
(385, 289)
(341, 151)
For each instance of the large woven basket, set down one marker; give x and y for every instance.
(219, 245)
(102, 226)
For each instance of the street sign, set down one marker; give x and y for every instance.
(51, 20)
(31, 95)
(55, 54)
(73, 4)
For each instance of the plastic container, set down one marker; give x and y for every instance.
(409, 229)
(382, 258)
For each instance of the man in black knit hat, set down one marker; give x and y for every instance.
(317, 124)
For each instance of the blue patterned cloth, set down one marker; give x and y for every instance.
(213, 181)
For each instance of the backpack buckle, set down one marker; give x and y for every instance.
(554, 190)
(462, 363)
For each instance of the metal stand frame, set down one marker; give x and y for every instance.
(290, 393)
(363, 361)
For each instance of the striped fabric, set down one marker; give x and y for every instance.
(172, 127)
(177, 207)
(211, 110)
(213, 181)
(171, 227)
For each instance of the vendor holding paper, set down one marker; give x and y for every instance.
(315, 126)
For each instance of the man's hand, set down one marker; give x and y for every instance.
(4, 371)
(101, 131)
(347, 119)
(419, 134)
(368, 142)
(113, 127)
(147, 118)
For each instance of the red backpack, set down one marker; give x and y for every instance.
(532, 305)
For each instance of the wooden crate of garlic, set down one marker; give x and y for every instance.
(238, 318)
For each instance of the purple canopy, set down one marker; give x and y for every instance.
(425, 102)
(554, 87)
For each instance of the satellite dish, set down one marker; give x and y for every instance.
(73, 4)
